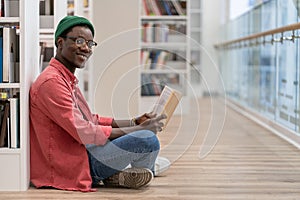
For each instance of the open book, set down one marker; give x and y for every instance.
(167, 103)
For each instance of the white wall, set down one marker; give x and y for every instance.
(212, 17)
(115, 59)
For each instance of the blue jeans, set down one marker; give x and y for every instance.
(139, 149)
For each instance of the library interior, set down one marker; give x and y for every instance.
(227, 70)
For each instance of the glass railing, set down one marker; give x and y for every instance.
(263, 73)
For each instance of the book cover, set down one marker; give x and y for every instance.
(2, 108)
(167, 7)
(178, 8)
(49, 7)
(147, 85)
(42, 8)
(149, 7)
(4, 127)
(11, 8)
(167, 103)
(42, 54)
(1, 8)
(172, 8)
(14, 123)
(1, 58)
(145, 8)
(86, 3)
(9, 50)
(161, 7)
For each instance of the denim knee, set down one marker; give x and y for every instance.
(148, 140)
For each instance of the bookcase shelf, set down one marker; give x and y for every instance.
(47, 31)
(14, 167)
(9, 20)
(165, 51)
(9, 151)
(165, 46)
(195, 16)
(50, 13)
(9, 85)
(164, 17)
(163, 71)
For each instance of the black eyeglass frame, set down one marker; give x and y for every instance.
(89, 43)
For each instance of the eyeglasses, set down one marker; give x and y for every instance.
(79, 41)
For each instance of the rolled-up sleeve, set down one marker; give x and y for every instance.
(105, 121)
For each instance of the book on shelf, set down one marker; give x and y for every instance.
(160, 60)
(148, 7)
(9, 8)
(163, 7)
(145, 10)
(178, 7)
(166, 7)
(4, 109)
(167, 103)
(10, 122)
(1, 58)
(1, 8)
(161, 32)
(14, 123)
(46, 7)
(10, 71)
(151, 85)
(86, 3)
(172, 8)
(46, 53)
(154, 7)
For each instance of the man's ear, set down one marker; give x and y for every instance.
(59, 42)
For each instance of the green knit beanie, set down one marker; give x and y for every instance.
(71, 21)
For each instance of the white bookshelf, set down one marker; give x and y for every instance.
(14, 167)
(176, 43)
(53, 12)
(195, 16)
(82, 8)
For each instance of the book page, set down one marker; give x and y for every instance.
(167, 103)
(162, 100)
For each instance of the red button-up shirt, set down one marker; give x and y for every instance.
(61, 123)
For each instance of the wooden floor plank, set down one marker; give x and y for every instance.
(247, 162)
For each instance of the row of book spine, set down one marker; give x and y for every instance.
(161, 32)
(46, 7)
(153, 84)
(9, 8)
(71, 3)
(9, 55)
(163, 7)
(46, 53)
(10, 123)
(161, 59)
(154, 59)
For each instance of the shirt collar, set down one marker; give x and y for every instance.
(71, 78)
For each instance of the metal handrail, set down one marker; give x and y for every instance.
(272, 32)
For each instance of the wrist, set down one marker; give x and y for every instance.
(133, 122)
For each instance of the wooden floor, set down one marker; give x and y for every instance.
(247, 162)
